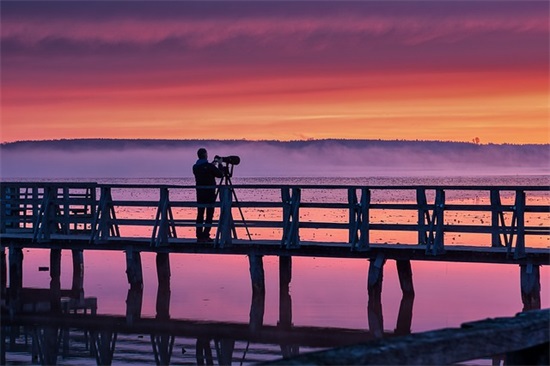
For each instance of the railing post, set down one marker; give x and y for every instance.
(225, 223)
(46, 215)
(353, 219)
(65, 225)
(3, 207)
(164, 227)
(435, 244)
(519, 252)
(496, 213)
(423, 216)
(291, 217)
(359, 219)
(103, 226)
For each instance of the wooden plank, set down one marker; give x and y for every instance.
(456, 253)
(268, 334)
(441, 347)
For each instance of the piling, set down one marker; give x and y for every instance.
(374, 287)
(134, 271)
(16, 272)
(257, 276)
(55, 282)
(78, 273)
(530, 286)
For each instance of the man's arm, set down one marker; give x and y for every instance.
(217, 172)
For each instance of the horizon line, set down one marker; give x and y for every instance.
(4, 143)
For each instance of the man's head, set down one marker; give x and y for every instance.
(202, 153)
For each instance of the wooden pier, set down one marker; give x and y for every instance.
(89, 216)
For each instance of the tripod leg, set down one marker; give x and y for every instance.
(228, 181)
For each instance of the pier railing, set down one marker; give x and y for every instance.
(53, 210)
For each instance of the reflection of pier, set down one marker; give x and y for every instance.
(52, 317)
(86, 216)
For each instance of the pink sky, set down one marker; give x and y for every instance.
(452, 70)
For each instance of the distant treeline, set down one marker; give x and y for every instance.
(120, 144)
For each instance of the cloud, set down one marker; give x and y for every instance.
(267, 25)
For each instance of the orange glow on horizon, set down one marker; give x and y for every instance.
(447, 107)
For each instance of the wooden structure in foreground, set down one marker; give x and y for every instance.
(524, 339)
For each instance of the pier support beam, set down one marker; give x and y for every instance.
(55, 282)
(530, 286)
(45, 342)
(3, 274)
(16, 272)
(285, 304)
(285, 300)
(134, 302)
(78, 273)
(163, 344)
(404, 271)
(163, 269)
(134, 271)
(374, 287)
(257, 307)
(225, 348)
(404, 317)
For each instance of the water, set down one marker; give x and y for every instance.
(324, 292)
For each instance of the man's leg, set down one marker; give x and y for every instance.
(200, 221)
(208, 221)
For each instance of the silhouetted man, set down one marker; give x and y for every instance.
(205, 175)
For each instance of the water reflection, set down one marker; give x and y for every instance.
(56, 326)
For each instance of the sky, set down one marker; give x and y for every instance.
(262, 70)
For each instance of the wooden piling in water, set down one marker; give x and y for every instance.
(78, 273)
(3, 274)
(404, 271)
(374, 287)
(134, 302)
(404, 317)
(163, 293)
(134, 271)
(257, 276)
(285, 300)
(530, 286)
(16, 271)
(55, 282)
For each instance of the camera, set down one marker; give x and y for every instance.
(231, 159)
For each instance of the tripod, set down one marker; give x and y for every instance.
(226, 180)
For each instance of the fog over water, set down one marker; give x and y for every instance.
(322, 158)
